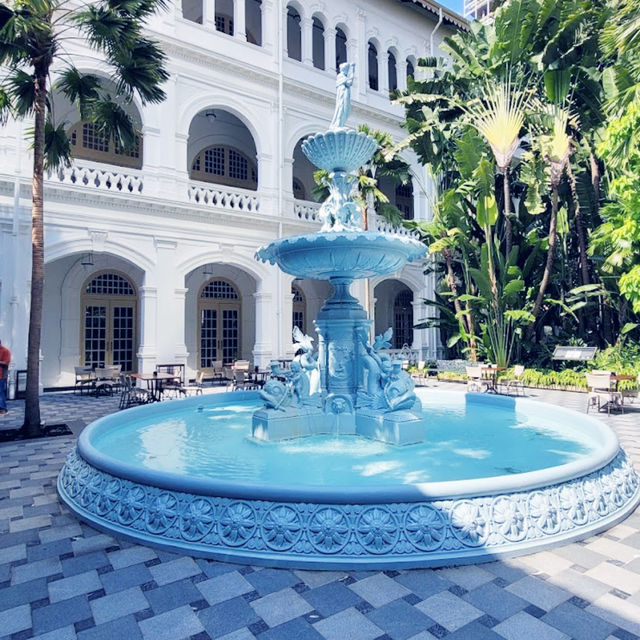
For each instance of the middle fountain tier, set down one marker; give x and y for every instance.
(350, 386)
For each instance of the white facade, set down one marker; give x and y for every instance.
(214, 179)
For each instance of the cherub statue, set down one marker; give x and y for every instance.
(344, 81)
(307, 358)
(376, 365)
(398, 391)
(299, 383)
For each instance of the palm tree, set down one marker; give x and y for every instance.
(33, 37)
(556, 151)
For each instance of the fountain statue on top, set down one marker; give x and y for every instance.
(350, 386)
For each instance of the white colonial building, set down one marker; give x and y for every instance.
(150, 255)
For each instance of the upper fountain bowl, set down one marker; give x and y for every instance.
(345, 254)
(339, 149)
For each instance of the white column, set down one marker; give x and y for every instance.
(285, 39)
(239, 21)
(401, 74)
(263, 346)
(209, 13)
(306, 27)
(383, 73)
(147, 351)
(269, 26)
(358, 52)
(181, 354)
(330, 50)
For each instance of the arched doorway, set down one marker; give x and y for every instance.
(303, 170)
(299, 309)
(219, 314)
(109, 323)
(403, 319)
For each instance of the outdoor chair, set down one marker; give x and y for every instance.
(475, 380)
(84, 380)
(172, 388)
(241, 365)
(194, 389)
(421, 375)
(515, 383)
(131, 395)
(217, 370)
(242, 381)
(107, 379)
(601, 393)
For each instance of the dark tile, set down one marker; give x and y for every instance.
(22, 635)
(438, 631)
(578, 602)
(143, 615)
(578, 623)
(57, 548)
(534, 611)
(25, 592)
(124, 628)
(364, 607)
(258, 627)
(331, 598)
(623, 634)
(618, 593)
(227, 616)
(86, 562)
(270, 580)
(412, 599)
(122, 579)
(81, 625)
(400, 620)
(60, 614)
(475, 631)
(459, 591)
(203, 635)
(172, 596)
(251, 596)
(487, 621)
(296, 629)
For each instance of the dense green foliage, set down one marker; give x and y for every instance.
(530, 130)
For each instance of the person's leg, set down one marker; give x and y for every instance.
(3, 399)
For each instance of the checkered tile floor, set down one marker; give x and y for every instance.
(61, 579)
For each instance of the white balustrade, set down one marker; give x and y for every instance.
(305, 210)
(225, 198)
(98, 178)
(382, 226)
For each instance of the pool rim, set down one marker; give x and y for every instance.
(418, 492)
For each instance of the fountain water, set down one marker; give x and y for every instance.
(495, 475)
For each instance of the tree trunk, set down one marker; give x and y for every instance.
(546, 277)
(32, 427)
(582, 243)
(467, 320)
(595, 178)
(507, 211)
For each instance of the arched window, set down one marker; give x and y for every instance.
(298, 318)
(341, 47)
(294, 34)
(373, 67)
(253, 21)
(298, 189)
(224, 16)
(403, 319)
(88, 143)
(219, 290)
(219, 313)
(392, 72)
(410, 70)
(225, 165)
(318, 44)
(404, 200)
(109, 302)
(192, 10)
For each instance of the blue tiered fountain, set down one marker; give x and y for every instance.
(494, 476)
(360, 390)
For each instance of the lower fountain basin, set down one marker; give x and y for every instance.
(349, 254)
(147, 474)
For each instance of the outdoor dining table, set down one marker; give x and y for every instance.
(154, 382)
(490, 374)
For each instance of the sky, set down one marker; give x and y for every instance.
(456, 5)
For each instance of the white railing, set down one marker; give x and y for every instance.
(382, 226)
(225, 198)
(98, 178)
(306, 210)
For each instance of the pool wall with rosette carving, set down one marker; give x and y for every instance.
(419, 525)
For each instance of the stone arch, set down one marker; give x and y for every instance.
(318, 48)
(373, 63)
(393, 57)
(238, 109)
(294, 35)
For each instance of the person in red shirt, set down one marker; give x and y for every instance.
(5, 359)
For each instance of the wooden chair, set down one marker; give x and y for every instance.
(601, 393)
(217, 370)
(106, 380)
(515, 382)
(172, 388)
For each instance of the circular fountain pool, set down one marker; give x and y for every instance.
(494, 476)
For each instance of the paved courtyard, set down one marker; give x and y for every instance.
(60, 579)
